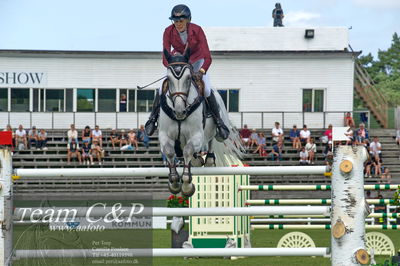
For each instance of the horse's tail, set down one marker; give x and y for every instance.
(231, 147)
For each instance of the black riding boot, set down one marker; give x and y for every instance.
(151, 124)
(222, 129)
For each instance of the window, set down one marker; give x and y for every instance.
(20, 100)
(3, 100)
(107, 100)
(131, 100)
(145, 100)
(313, 100)
(231, 99)
(69, 100)
(86, 100)
(55, 100)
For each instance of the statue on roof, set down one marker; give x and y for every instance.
(278, 15)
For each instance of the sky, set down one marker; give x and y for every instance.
(137, 25)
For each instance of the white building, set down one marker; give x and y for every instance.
(278, 71)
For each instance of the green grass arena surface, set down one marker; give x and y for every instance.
(34, 238)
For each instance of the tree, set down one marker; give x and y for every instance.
(386, 70)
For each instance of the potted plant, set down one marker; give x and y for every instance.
(178, 232)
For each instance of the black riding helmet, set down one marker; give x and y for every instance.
(180, 12)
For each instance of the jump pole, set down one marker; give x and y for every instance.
(171, 252)
(113, 172)
(25, 213)
(317, 226)
(349, 208)
(6, 206)
(312, 187)
(308, 201)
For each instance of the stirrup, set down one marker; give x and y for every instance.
(222, 130)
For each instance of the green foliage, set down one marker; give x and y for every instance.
(396, 197)
(385, 71)
(177, 202)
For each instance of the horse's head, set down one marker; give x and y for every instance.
(179, 81)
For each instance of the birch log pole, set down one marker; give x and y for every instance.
(6, 206)
(349, 208)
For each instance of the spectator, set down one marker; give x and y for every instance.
(375, 149)
(262, 142)
(72, 134)
(20, 138)
(295, 138)
(253, 139)
(367, 167)
(97, 135)
(132, 139)
(359, 139)
(9, 128)
(328, 148)
(277, 133)
(305, 135)
(362, 131)
(73, 151)
(303, 156)
(114, 138)
(96, 150)
(398, 137)
(348, 120)
(142, 136)
(86, 135)
(364, 117)
(123, 139)
(245, 136)
(33, 138)
(277, 150)
(329, 159)
(386, 176)
(328, 134)
(42, 140)
(122, 103)
(350, 134)
(87, 153)
(377, 167)
(311, 148)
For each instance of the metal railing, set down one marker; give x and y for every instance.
(262, 120)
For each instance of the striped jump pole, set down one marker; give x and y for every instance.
(308, 201)
(316, 226)
(312, 187)
(371, 215)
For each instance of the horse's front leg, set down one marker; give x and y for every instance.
(174, 180)
(193, 146)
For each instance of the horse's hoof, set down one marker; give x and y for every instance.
(210, 162)
(173, 178)
(174, 187)
(197, 162)
(187, 178)
(188, 189)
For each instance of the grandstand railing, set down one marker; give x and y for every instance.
(62, 120)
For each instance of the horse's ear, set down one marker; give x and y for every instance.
(187, 54)
(167, 55)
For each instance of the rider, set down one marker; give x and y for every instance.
(183, 34)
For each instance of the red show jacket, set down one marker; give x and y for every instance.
(197, 43)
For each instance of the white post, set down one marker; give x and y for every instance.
(349, 208)
(6, 221)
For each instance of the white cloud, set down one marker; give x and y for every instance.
(300, 18)
(378, 4)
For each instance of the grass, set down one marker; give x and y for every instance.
(36, 237)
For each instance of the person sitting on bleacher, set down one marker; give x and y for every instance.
(277, 133)
(262, 143)
(386, 176)
(142, 136)
(253, 139)
(245, 136)
(123, 139)
(72, 134)
(33, 138)
(96, 150)
(311, 148)
(20, 138)
(303, 156)
(87, 153)
(132, 139)
(86, 135)
(114, 138)
(295, 138)
(305, 135)
(97, 134)
(42, 140)
(73, 151)
(363, 132)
